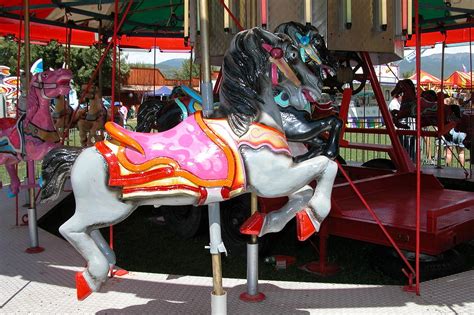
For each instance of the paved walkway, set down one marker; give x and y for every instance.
(44, 283)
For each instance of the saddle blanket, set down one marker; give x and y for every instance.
(199, 157)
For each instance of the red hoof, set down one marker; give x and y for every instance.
(82, 288)
(304, 226)
(253, 225)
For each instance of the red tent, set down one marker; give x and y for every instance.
(459, 79)
(426, 79)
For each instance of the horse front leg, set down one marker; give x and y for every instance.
(14, 180)
(270, 174)
(275, 221)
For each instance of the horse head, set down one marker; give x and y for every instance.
(50, 84)
(406, 88)
(257, 63)
(312, 47)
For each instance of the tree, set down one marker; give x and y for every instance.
(183, 72)
(407, 74)
(83, 61)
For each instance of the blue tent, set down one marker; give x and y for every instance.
(164, 90)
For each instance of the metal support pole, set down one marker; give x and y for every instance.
(218, 295)
(418, 136)
(440, 149)
(32, 219)
(32, 224)
(252, 294)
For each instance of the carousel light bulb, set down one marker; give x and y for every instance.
(348, 13)
(186, 18)
(226, 16)
(263, 8)
(404, 15)
(308, 12)
(198, 18)
(410, 17)
(383, 11)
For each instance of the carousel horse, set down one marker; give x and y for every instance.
(429, 109)
(240, 148)
(163, 115)
(298, 125)
(466, 125)
(91, 123)
(33, 135)
(62, 115)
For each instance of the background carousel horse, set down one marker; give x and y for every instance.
(429, 116)
(33, 135)
(91, 123)
(62, 112)
(161, 115)
(241, 148)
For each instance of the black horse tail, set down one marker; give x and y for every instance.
(148, 114)
(57, 165)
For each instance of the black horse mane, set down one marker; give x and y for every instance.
(244, 64)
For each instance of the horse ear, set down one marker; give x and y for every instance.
(268, 37)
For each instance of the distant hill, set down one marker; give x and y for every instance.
(167, 67)
(432, 64)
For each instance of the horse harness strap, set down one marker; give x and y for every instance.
(42, 86)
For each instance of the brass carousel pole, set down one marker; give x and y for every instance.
(218, 295)
(32, 223)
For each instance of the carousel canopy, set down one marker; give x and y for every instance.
(426, 78)
(444, 20)
(157, 23)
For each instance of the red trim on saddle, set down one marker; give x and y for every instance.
(225, 193)
(203, 195)
(117, 179)
(160, 188)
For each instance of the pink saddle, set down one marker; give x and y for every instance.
(186, 144)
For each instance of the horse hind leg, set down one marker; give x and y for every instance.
(104, 248)
(275, 221)
(97, 206)
(320, 203)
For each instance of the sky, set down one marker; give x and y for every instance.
(147, 57)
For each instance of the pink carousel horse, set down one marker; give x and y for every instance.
(33, 135)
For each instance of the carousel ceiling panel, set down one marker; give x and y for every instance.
(162, 19)
(145, 18)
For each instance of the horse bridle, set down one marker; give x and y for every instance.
(279, 63)
(42, 86)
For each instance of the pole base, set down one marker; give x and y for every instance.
(319, 269)
(250, 298)
(219, 304)
(34, 250)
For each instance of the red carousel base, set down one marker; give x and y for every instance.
(34, 250)
(259, 297)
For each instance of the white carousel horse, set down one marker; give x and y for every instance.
(240, 148)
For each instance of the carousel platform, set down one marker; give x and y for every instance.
(44, 283)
